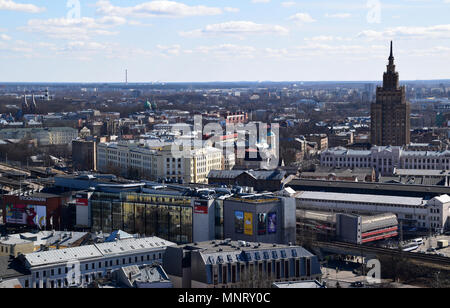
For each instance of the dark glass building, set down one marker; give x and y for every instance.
(165, 216)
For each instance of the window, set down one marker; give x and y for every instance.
(274, 255)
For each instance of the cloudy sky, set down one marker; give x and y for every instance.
(221, 40)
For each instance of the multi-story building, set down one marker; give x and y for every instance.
(23, 243)
(44, 136)
(191, 166)
(235, 117)
(390, 114)
(320, 139)
(272, 180)
(84, 155)
(260, 218)
(411, 211)
(227, 264)
(161, 214)
(385, 159)
(79, 266)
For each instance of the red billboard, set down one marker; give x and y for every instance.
(201, 207)
(82, 201)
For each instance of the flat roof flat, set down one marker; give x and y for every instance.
(361, 198)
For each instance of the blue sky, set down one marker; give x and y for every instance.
(221, 40)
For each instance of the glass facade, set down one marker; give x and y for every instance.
(168, 217)
(218, 217)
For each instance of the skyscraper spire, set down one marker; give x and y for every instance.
(391, 65)
(392, 51)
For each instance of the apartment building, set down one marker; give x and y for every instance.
(415, 212)
(385, 159)
(43, 136)
(229, 264)
(79, 266)
(184, 166)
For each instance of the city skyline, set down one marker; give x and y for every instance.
(221, 41)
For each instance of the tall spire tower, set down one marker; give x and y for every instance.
(391, 77)
(390, 114)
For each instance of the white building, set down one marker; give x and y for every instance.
(415, 212)
(44, 136)
(385, 159)
(192, 166)
(79, 266)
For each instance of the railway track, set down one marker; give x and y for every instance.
(385, 251)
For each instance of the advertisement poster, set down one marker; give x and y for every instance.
(201, 207)
(30, 215)
(272, 223)
(248, 226)
(262, 223)
(239, 222)
(82, 202)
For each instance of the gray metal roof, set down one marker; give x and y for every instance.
(95, 251)
(360, 198)
(422, 172)
(258, 175)
(135, 245)
(63, 255)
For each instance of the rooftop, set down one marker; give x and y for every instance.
(95, 251)
(257, 175)
(218, 252)
(361, 198)
(307, 284)
(11, 268)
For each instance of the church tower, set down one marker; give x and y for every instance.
(390, 114)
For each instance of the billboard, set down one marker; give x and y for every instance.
(248, 223)
(29, 215)
(262, 223)
(201, 207)
(82, 201)
(272, 223)
(239, 222)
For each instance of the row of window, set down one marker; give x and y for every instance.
(269, 270)
(98, 265)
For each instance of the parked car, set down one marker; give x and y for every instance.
(357, 284)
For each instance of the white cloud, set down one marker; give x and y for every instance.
(156, 9)
(431, 32)
(288, 4)
(339, 15)
(227, 51)
(74, 29)
(231, 9)
(327, 38)
(236, 28)
(5, 37)
(302, 18)
(173, 50)
(9, 5)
